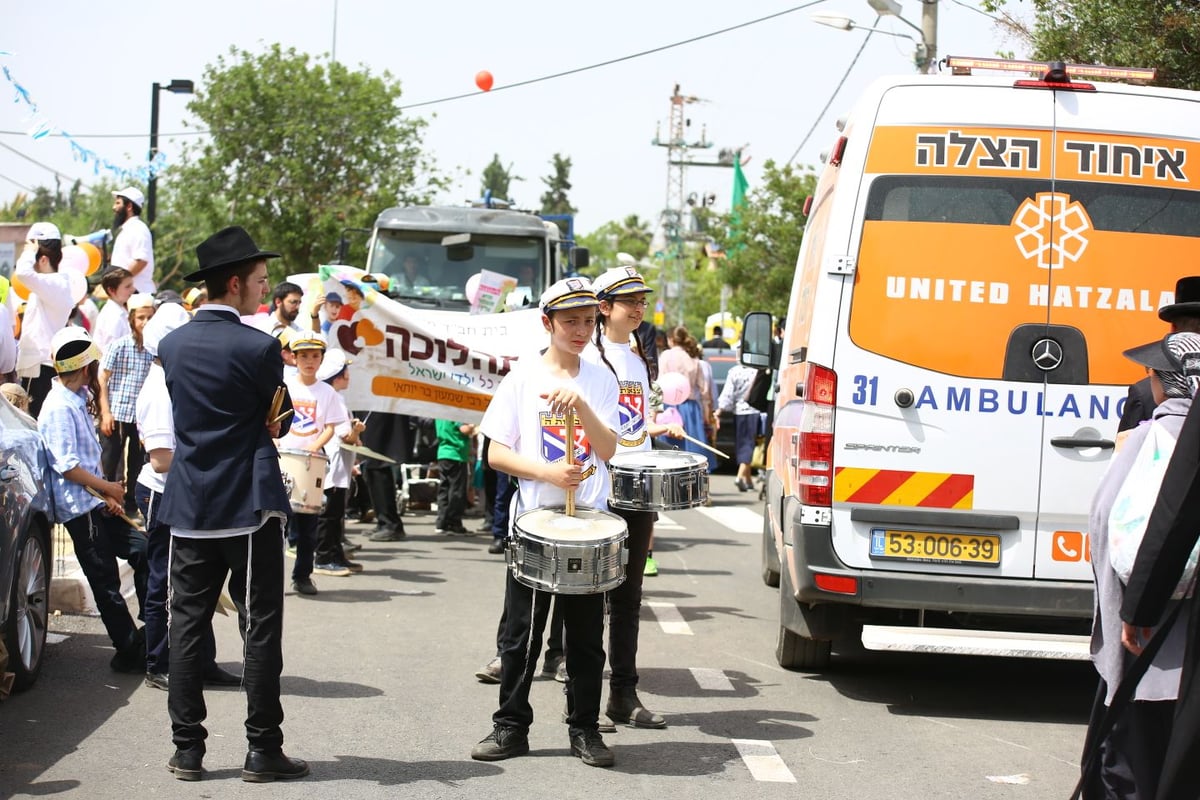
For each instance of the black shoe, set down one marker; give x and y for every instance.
(625, 707)
(263, 767)
(305, 586)
(496, 547)
(551, 666)
(215, 676)
(500, 744)
(158, 680)
(131, 657)
(387, 535)
(186, 764)
(591, 749)
(742, 485)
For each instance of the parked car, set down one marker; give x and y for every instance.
(25, 544)
(722, 360)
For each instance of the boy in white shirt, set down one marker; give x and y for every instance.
(50, 305)
(317, 414)
(525, 424)
(331, 524)
(113, 321)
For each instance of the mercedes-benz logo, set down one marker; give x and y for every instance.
(1047, 354)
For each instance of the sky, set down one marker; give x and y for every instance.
(761, 86)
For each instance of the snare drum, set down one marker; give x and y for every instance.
(583, 554)
(658, 480)
(304, 479)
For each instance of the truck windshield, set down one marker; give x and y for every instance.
(433, 267)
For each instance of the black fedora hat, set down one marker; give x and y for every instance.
(226, 248)
(1187, 300)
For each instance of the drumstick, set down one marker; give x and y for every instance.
(283, 416)
(276, 404)
(570, 458)
(129, 521)
(706, 447)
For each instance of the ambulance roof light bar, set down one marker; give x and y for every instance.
(1051, 72)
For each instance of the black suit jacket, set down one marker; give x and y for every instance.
(222, 376)
(1139, 406)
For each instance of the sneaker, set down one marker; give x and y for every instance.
(502, 743)
(350, 547)
(651, 567)
(353, 566)
(589, 746)
(560, 674)
(458, 530)
(291, 551)
(496, 547)
(336, 570)
(489, 672)
(305, 586)
(552, 665)
(743, 486)
(387, 535)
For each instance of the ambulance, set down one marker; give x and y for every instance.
(979, 251)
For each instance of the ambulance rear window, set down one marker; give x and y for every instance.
(993, 201)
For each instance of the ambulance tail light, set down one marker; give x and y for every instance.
(839, 150)
(838, 584)
(814, 455)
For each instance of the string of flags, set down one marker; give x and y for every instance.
(40, 127)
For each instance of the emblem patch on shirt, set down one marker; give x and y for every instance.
(304, 423)
(554, 441)
(631, 413)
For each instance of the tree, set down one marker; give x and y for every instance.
(297, 150)
(631, 235)
(497, 177)
(554, 200)
(1130, 33)
(761, 250)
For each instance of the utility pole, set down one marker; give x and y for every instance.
(929, 18)
(672, 216)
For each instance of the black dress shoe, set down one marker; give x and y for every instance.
(263, 767)
(215, 676)
(158, 680)
(186, 764)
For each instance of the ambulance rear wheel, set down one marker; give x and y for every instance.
(770, 558)
(794, 651)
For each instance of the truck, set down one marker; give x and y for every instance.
(429, 253)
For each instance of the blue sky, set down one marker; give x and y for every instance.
(762, 85)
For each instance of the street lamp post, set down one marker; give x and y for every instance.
(927, 28)
(921, 58)
(176, 86)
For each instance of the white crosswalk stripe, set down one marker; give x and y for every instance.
(738, 519)
(712, 680)
(763, 761)
(669, 619)
(665, 523)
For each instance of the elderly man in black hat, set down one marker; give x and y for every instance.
(225, 502)
(1184, 317)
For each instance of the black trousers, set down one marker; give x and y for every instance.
(625, 601)
(1131, 758)
(521, 644)
(331, 526)
(99, 540)
(451, 493)
(254, 564)
(37, 388)
(381, 486)
(123, 447)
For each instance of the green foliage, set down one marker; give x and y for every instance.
(76, 211)
(761, 249)
(631, 235)
(554, 200)
(1131, 33)
(298, 150)
(497, 177)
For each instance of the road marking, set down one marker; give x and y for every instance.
(738, 519)
(669, 619)
(712, 680)
(55, 638)
(667, 524)
(763, 761)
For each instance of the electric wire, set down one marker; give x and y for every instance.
(15, 183)
(33, 160)
(832, 97)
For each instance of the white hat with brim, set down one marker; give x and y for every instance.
(169, 317)
(569, 293)
(332, 364)
(72, 348)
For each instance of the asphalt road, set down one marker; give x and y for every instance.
(380, 696)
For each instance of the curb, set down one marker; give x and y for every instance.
(71, 594)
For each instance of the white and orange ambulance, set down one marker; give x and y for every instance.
(979, 251)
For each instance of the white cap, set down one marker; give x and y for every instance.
(332, 364)
(139, 300)
(620, 280)
(41, 231)
(569, 293)
(133, 195)
(168, 317)
(72, 348)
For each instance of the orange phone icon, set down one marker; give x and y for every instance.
(1069, 546)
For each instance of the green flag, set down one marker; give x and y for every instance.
(739, 183)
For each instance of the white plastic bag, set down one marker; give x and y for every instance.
(1135, 501)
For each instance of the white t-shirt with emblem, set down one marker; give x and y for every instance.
(519, 418)
(341, 461)
(315, 406)
(134, 243)
(156, 425)
(633, 401)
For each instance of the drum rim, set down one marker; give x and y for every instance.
(299, 451)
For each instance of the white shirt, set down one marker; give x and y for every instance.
(341, 462)
(156, 426)
(520, 419)
(8, 340)
(111, 324)
(633, 381)
(315, 407)
(134, 243)
(49, 307)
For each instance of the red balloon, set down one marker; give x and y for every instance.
(483, 79)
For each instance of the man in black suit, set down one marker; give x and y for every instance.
(225, 502)
(1184, 317)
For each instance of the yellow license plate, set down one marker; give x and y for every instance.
(936, 548)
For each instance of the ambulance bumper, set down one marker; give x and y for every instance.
(812, 554)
